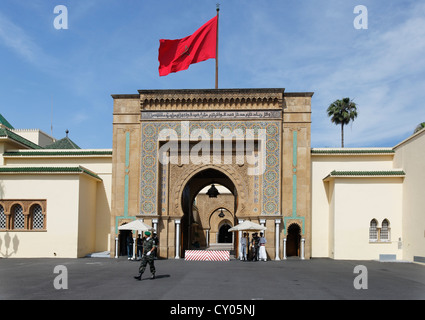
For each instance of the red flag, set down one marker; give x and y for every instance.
(177, 55)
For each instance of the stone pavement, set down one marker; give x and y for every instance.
(293, 279)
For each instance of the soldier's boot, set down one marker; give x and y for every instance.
(153, 276)
(138, 277)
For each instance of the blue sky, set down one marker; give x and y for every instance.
(111, 47)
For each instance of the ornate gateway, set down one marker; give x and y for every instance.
(168, 145)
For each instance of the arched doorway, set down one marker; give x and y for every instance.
(125, 243)
(293, 240)
(224, 236)
(196, 203)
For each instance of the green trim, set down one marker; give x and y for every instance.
(64, 143)
(39, 170)
(367, 173)
(294, 186)
(294, 195)
(4, 132)
(126, 178)
(348, 151)
(294, 215)
(127, 148)
(126, 183)
(294, 148)
(6, 123)
(58, 153)
(117, 218)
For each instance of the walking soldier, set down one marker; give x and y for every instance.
(148, 247)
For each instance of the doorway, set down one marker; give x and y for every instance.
(224, 236)
(197, 202)
(293, 240)
(125, 243)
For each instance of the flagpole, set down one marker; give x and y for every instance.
(216, 51)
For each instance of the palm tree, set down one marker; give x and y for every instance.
(342, 112)
(419, 127)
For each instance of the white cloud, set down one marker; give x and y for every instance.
(16, 39)
(384, 74)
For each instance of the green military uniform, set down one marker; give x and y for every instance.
(148, 257)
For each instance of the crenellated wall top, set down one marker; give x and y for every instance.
(201, 99)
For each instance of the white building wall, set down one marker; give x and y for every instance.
(328, 197)
(358, 201)
(61, 193)
(323, 193)
(410, 154)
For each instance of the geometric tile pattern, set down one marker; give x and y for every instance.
(270, 187)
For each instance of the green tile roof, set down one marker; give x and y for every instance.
(38, 170)
(368, 173)
(4, 122)
(64, 143)
(49, 153)
(383, 173)
(352, 151)
(4, 132)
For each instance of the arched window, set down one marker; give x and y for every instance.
(18, 217)
(373, 231)
(2, 218)
(385, 230)
(37, 217)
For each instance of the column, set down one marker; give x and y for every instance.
(284, 248)
(302, 248)
(239, 241)
(277, 240)
(155, 225)
(207, 237)
(116, 248)
(263, 223)
(177, 222)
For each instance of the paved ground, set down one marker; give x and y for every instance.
(105, 278)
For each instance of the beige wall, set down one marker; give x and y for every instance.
(61, 194)
(77, 206)
(343, 207)
(86, 216)
(356, 202)
(410, 155)
(36, 136)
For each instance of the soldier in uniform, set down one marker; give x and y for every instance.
(148, 247)
(156, 242)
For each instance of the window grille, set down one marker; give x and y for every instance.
(37, 217)
(385, 235)
(373, 231)
(19, 218)
(2, 218)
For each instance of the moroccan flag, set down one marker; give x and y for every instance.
(177, 55)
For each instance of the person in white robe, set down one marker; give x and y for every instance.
(262, 255)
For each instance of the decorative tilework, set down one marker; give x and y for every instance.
(270, 186)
